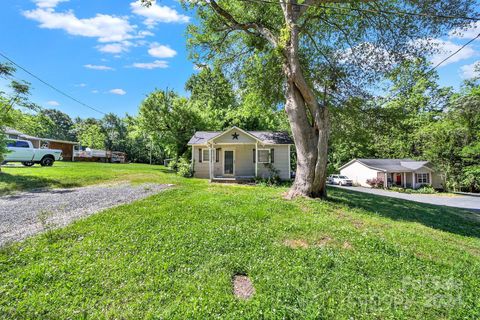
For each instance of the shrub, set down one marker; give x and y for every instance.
(375, 183)
(172, 165)
(184, 168)
(273, 176)
(424, 189)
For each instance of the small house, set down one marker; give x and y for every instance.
(406, 173)
(236, 154)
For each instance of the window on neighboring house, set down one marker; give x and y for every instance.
(205, 155)
(423, 178)
(263, 156)
(217, 155)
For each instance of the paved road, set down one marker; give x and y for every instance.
(27, 213)
(458, 201)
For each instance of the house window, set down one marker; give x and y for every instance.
(205, 155)
(423, 178)
(217, 155)
(263, 156)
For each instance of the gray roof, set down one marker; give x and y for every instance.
(267, 137)
(392, 165)
(28, 137)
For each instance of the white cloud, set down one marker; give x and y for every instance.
(160, 51)
(95, 91)
(119, 92)
(81, 85)
(469, 32)
(118, 47)
(53, 103)
(48, 3)
(157, 13)
(151, 65)
(146, 33)
(105, 27)
(445, 48)
(98, 67)
(470, 71)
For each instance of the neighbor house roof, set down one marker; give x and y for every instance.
(28, 137)
(391, 165)
(266, 137)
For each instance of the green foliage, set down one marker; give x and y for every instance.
(182, 167)
(91, 135)
(273, 178)
(170, 119)
(421, 190)
(115, 131)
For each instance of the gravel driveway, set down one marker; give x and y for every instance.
(24, 214)
(458, 201)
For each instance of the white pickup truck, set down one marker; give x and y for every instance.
(24, 152)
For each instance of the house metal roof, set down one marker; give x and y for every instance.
(391, 165)
(266, 137)
(28, 137)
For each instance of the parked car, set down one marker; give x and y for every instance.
(340, 180)
(24, 152)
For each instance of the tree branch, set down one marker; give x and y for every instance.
(260, 30)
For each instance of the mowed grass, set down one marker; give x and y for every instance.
(173, 256)
(73, 174)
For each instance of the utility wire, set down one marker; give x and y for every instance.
(437, 65)
(405, 13)
(51, 86)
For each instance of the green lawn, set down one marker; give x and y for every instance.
(75, 174)
(173, 255)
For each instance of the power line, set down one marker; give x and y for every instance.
(51, 86)
(437, 65)
(404, 13)
(453, 54)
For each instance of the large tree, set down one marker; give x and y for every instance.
(319, 51)
(169, 119)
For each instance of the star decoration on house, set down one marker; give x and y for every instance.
(235, 136)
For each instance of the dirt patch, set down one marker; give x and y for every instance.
(242, 287)
(296, 243)
(323, 241)
(347, 245)
(357, 224)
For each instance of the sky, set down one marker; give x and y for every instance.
(110, 54)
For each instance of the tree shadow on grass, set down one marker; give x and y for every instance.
(450, 219)
(11, 183)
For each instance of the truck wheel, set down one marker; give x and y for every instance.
(28, 163)
(46, 161)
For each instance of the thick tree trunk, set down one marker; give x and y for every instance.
(308, 119)
(311, 144)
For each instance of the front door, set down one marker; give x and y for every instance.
(399, 179)
(229, 162)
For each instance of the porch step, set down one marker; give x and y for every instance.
(233, 179)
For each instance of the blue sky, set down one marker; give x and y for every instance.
(111, 53)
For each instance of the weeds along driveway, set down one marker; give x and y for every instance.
(27, 213)
(456, 201)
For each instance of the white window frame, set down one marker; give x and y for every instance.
(259, 150)
(423, 178)
(203, 155)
